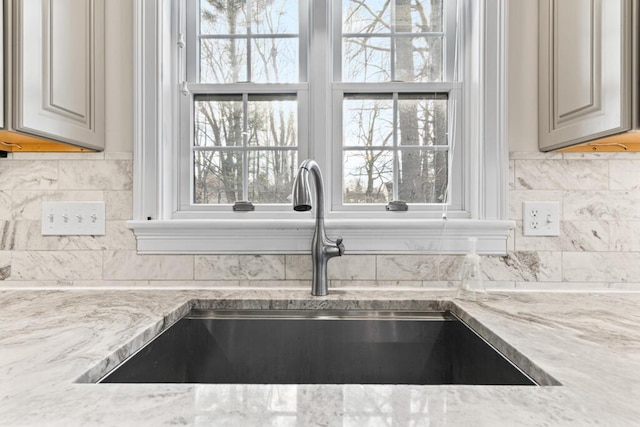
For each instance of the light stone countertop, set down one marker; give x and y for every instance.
(590, 343)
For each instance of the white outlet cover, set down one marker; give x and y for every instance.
(541, 218)
(73, 219)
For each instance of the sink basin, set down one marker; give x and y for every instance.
(318, 347)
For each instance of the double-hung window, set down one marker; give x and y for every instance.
(243, 104)
(395, 90)
(393, 98)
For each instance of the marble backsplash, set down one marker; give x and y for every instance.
(599, 245)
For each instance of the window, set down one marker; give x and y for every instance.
(246, 80)
(244, 61)
(394, 75)
(398, 100)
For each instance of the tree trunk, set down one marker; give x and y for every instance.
(409, 176)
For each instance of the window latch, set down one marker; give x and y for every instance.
(184, 89)
(243, 206)
(181, 42)
(397, 206)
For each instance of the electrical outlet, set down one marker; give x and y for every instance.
(541, 218)
(73, 219)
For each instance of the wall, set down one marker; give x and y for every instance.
(522, 85)
(599, 194)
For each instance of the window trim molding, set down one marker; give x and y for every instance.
(294, 236)
(155, 170)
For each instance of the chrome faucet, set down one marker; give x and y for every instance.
(322, 248)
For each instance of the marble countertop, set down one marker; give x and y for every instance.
(49, 340)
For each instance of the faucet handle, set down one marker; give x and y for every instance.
(340, 246)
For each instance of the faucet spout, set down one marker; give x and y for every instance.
(322, 248)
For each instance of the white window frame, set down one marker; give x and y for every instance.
(334, 154)
(160, 229)
(188, 55)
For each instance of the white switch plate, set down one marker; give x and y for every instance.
(73, 218)
(541, 218)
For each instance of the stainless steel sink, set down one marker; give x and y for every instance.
(318, 347)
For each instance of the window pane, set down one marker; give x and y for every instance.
(366, 59)
(419, 59)
(418, 16)
(274, 60)
(373, 16)
(223, 60)
(218, 121)
(423, 176)
(369, 41)
(223, 17)
(274, 17)
(272, 121)
(217, 177)
(422, 120)
(271, 175)
(367, 121)
(368, 176)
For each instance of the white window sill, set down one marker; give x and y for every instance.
(294, 236)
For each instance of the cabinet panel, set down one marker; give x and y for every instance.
(59, 70)
(68, 51)
(585, 70)
(575, 58)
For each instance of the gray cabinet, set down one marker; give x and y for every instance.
(584, 70)
(56, 74)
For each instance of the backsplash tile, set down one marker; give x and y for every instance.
(28, 237)
(347, 267)
(599, 245)
(624, 175)
(7, 236)
(28, 175)
(119, 204)
(127, 265)
(602, 205)
(5, 205)
(562, 175)
(5, 265)
(95, 175)
(601, 266)
(56, 265)
(240, 267)
(624, 236)
(530, 266)
(419, 267)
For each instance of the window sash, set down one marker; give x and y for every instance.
(450, 21)
(187, 208)
(455, 189)
(393, 148)
(190, 27)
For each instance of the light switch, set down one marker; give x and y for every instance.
(73, 218)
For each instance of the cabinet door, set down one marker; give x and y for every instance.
(585, 70)
(59, 70)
